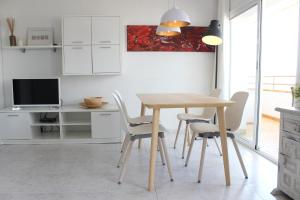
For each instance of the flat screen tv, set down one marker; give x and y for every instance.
(36, 92)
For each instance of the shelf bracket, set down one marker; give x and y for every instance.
(23, 50)
(54, 49)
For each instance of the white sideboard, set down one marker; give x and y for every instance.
(91, 45)
(72, 125)
(289, 152)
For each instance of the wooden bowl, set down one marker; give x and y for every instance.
(93, 101)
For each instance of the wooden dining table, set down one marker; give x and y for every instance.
(183, 100)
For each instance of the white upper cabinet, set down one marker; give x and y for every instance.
(91, 45)
(105, 30)
(77, 60)
(77, 31)
(106, 59)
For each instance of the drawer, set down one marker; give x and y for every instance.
(291, 123)
(14, 126)
(289, 179)
(289, 147)
(106, 125)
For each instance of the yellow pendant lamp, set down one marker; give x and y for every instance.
(168, 31)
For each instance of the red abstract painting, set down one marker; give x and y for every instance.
(144, 38)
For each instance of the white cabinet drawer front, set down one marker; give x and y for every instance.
(291, 123)
(289, 179)
(15, 126)
(106, 59)
(105, 30)
(106, 125)
(77, 60)
(289, 147)
(297, 188)
(77, 30)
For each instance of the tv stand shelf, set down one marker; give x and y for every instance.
(67, 124)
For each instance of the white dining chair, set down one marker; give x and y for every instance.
(233, 116)
(139, 132)
(206, 116)
(133, 121)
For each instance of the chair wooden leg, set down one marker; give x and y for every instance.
(125, 142)
(161, 151)
(202, 159)
(165, 150)
(190, 149)
(178, 130)
(185, 139)
(240, 157)
(124, 166)
(218, 147)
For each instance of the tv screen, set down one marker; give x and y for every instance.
(27, 92)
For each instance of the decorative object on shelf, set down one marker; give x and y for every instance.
(175, 17)
(92, 102)
(296, 96)
(20, 43)
(11, 25)
(144, 38)
(40, 36)
(168, 31)
(214, 35)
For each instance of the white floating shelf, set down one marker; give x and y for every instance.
(24, 48)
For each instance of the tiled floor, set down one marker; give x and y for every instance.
(88, 172)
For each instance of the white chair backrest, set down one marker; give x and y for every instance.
(234, 113)
(123, 115)
(122, 102)
(209, 113)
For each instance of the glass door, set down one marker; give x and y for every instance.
(264, 52)
(243, 72)
(278, 68)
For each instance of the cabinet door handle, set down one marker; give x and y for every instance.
(105, 114)
(78, 48)
(105, 41)
(104, 47)
(77, 42)
(12, 115)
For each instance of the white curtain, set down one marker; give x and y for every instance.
(224, 49)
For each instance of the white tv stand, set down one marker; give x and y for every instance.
(72, 125)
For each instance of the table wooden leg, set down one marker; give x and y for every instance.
(154, 139)
(223, 134)
(142, 114)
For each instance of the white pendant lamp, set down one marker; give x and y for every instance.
(168, 31)
(175, 17)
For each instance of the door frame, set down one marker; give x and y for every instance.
(254, 143)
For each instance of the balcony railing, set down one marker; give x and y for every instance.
(281, 84)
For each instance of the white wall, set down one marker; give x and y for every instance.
(142, 72)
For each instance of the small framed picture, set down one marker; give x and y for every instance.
(39, 36)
